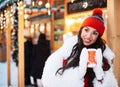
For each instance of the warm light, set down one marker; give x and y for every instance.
(40, 3)
(42, 28)
(5, 11)
(72, 1)
(20, 3)
(26, 16)
(47, 5)
(49, 12)
(1, 15)
(70, 21)
(33, 3)
(85, 5)
(32, 29)
(79, 20)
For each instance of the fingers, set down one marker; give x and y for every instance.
(83, 62)
(84, 57)
(98, 68)
(99, 57)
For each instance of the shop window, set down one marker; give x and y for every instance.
(58, 33)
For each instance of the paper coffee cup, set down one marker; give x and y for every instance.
(91, 57)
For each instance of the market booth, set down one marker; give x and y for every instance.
(66, 20)
(48, 19)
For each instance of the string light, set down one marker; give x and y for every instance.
(85, 4)
(47, 5)
(40, 3)
(72, 1)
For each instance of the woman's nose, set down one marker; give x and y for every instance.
(88, 35)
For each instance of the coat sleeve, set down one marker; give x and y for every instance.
(54, 62)
(109, 54)
(109, 79)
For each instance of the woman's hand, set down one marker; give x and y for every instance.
(83, 62)
(98, 68)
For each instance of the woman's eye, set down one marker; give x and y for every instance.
(95, 33)
(86, 29)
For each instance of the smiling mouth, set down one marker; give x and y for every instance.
(87, 41)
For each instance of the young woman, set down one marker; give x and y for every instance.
(68, 66)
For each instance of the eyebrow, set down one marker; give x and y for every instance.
(89, 28)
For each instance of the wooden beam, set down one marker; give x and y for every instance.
(21, 45)
(114, 33)
(8, 46)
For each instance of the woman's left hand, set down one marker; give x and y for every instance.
(98, 68)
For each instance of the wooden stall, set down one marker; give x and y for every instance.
(114, 33)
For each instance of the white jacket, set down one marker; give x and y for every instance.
(71, 77)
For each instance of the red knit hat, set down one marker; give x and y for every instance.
(95, 21)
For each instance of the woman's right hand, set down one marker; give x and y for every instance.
(83, 62)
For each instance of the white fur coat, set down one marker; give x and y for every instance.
(71, 77)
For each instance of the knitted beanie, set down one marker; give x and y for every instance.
(96, 21)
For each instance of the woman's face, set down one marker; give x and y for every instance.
(89, 35)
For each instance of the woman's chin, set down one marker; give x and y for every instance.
(87, 44)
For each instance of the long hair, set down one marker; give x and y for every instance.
(73, 59)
